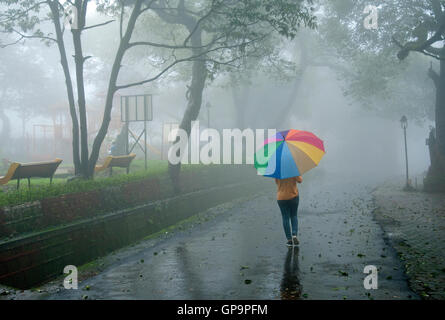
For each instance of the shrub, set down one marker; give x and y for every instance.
(44, 190)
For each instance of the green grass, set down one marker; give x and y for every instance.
(138, 165)
(41, 189)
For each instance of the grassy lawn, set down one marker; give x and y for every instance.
(40, 187)
(138, 165)
(153, 166)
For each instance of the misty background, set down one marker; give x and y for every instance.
(361, 137)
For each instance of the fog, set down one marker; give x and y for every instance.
(98, 98)
(359, 140)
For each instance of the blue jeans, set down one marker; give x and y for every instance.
(289, 210)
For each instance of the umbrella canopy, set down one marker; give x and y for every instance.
(289, 154)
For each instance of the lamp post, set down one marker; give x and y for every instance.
(404, 123)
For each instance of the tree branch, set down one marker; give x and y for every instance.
(98, 25)
(148, 7)
(423, 48)
(223, 63)
(121, 19)
(197, 24)
(191, 58)
(153, 78)
(21, 13)
(10, 44)
(434, 51)
(169, 46)
(159, 45)
(24, 36)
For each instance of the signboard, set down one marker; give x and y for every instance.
(137, 108)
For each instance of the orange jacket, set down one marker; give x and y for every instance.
(287, 188)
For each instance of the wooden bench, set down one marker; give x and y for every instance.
(116, 161)
(30, 170)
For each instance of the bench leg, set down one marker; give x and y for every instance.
(128, 169)
(29, 183)
(51, 180)
(111, 171)
(18, 184)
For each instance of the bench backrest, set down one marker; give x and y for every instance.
(121, 161)
(36, 169)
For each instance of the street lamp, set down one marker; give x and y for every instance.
(404, 123)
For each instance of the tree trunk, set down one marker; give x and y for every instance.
(440, 109)
(79, 62)
(199, 76)
(69, 85)
(435, 180)
(112, 88)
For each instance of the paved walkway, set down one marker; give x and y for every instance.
(415, 225)
(237, 251)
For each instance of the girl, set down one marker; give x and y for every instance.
(288, 198)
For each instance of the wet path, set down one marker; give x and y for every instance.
(240, 254)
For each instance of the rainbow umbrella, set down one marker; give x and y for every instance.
(289, 154)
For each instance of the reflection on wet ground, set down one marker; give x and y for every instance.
(290, 284)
